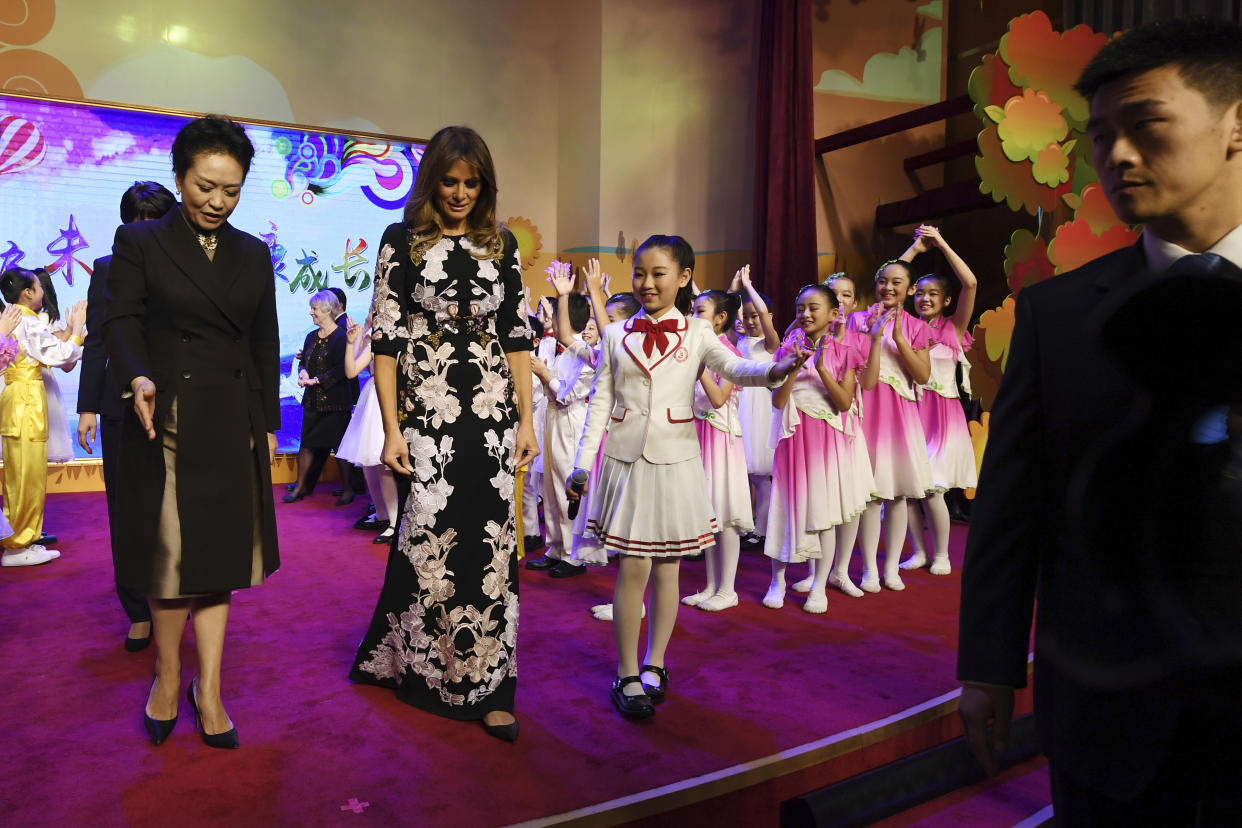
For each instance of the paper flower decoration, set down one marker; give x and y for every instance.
(1026, 260)
(1040, 58)
(1027, 124)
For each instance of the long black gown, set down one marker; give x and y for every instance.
(444, 632)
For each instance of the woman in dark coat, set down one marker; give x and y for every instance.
(328, 397)
(192, 338)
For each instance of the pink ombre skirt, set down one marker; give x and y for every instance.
(817, 483)
(896, 444)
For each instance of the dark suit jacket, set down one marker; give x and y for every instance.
(97, 391)
(1110, 684)
(205, 333)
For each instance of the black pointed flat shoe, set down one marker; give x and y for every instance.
(655, 691)
(506, 732)
(227, 740)
(634, 707)
(157, 729)
(136, 645)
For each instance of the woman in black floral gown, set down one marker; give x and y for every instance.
(451, 344)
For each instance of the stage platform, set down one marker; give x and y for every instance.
(764, 704)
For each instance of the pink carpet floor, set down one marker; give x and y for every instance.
(318, 750)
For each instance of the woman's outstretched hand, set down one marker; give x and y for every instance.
(788, 364)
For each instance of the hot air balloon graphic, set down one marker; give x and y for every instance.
(21, 145)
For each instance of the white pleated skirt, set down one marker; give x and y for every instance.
(652, 510)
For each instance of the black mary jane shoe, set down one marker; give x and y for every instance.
(370, 523)
(506, 732)
(385, 536)
(228, 739)
(541, 564)
(635, 707)
(157, 729)
(655, 691)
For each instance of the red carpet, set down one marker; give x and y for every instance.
(745, 684)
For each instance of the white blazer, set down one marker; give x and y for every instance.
(646, 403)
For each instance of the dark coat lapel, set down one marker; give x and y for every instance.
(179, 241)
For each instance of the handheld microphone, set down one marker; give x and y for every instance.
(577, 485)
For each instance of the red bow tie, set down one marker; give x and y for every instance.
(658, 332)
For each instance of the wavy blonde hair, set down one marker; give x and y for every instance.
(446, 147)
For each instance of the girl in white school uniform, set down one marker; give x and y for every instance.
(724, 461)
(650, 504)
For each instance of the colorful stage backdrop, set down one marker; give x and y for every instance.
(320, 200)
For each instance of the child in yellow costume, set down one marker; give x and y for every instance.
(23, 415)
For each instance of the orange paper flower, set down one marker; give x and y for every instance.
(1041, 58)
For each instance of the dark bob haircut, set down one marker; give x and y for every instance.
(146, 200)
(1206, 52)
(213, 134)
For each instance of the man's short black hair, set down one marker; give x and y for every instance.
(1207, 52)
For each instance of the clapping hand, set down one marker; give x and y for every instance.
(9, 319)
(927, 237)
(786, 365)
(77, 316)
(878, 319)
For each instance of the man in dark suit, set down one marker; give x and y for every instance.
(100, 409)
(1138, 671)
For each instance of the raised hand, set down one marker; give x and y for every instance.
(928, 236)
(352, 331)
(743, 277)
(544, 313)
(561, 280)
(592, 277)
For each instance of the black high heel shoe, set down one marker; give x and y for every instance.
(228, 739)
(505, 732)
(157, 729)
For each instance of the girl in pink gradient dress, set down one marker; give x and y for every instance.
(819, 487)
(896, 365)
(949, 447)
